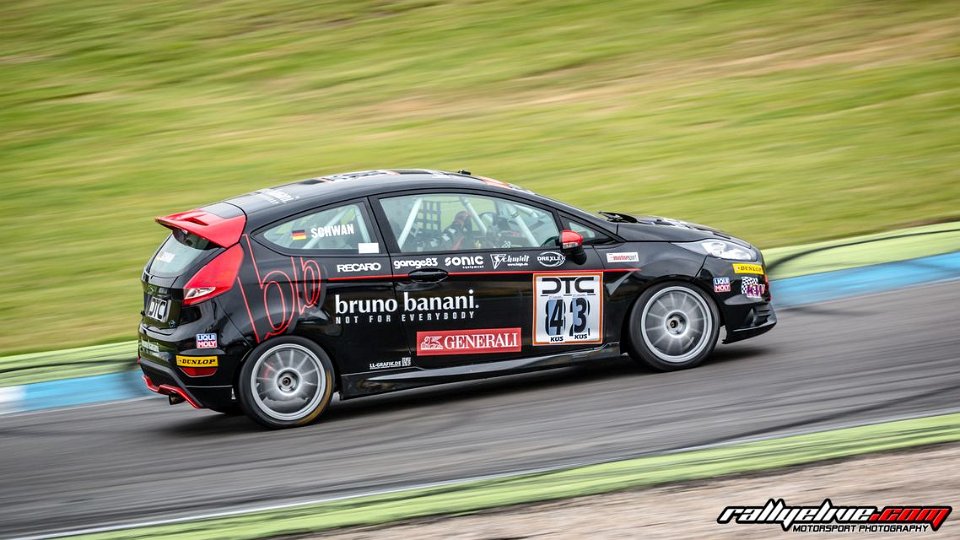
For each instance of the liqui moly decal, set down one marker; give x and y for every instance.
(485, 341)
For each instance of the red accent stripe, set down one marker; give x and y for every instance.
(485, 273)
(357, 278)
(169, 390)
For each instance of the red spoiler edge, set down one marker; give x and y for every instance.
(223, 232)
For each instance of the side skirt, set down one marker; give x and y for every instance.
(378, 382)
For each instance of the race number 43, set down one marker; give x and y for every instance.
(568, 308)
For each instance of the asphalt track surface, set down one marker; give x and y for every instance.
(838, 363)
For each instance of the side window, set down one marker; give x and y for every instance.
(452, 221)
(343, 228)
(591, 236)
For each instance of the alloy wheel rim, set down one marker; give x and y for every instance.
(288, 382)
(676, 324)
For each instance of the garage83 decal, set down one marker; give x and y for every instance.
(568, 308)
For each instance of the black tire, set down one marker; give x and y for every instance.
(674, 341)
(287, 392)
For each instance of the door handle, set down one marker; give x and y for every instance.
(427, 275)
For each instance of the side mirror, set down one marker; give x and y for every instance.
(571, 244)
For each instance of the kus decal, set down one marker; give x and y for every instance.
(744, 268)
(408, 309)
(551, 259)
(751, 287)
(206, 341)
(508, 260)
(568, 308)
(485, 341)
(626, 257)
(275, 296)
(721, 284)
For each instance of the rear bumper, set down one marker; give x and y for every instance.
(163, 380)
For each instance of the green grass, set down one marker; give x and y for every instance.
(636, 473)
(780, 122)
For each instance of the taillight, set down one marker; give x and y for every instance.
(198, 371)
(215, 278)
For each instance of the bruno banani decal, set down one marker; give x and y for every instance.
(568, 308)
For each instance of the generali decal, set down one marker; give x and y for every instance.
(484, 341)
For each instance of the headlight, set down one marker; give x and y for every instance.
(721, 250)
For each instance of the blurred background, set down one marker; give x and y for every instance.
(782, 122)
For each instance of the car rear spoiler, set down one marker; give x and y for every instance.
(223, 232)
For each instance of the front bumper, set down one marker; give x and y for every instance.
(743, 316)
(759, 319)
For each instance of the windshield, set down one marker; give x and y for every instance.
(178, 251)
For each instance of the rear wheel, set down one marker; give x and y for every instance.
(673, 326)
(286, 382)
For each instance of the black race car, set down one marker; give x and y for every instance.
(374, 281)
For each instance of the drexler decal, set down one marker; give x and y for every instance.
(484, 341)
(568, 308)
(748, 268)
(197, 361)
(551, 259)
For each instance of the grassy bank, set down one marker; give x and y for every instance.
(783, 123)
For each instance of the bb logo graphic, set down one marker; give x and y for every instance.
(483, 341)
(827, 518)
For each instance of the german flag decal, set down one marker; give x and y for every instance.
(299, 235)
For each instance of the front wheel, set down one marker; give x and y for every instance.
(286, 382)
(673, 326)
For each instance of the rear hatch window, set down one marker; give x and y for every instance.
(178, 252)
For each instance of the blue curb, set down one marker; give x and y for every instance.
(72, 392)
(814, 288)
(795, 291)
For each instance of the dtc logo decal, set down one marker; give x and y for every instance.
(568, 308)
